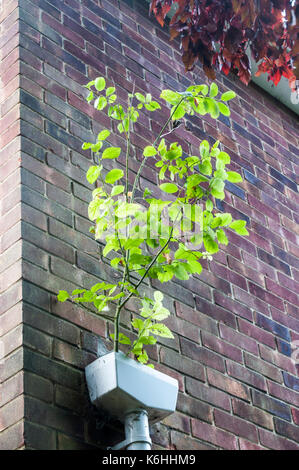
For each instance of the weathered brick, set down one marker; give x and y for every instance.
(228, 385)
(37, 411)
(262, 367)
(202, 355)
(247, 376)
(182, 364)
(222, 347)
(209, 394)
(39, 437)
(271, 405)
(214, 435)
(250, 413)
(181, 441)
(238, 339)
(270, 440)
(235, 425)
(11, 388)
(13, 437)
(11, 413)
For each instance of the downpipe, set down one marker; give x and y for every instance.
(136, 432)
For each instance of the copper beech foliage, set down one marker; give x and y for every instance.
(220, 32)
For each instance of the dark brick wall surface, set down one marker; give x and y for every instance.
(233, 325)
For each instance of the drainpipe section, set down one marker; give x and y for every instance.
(137, 430)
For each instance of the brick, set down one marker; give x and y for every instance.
(277, 359)
(218, 313)
(253, 414)
(50, 369)
(245, 375)
(182, 364)
(295, 414)
(11, 388)
(37, 411)
(238, 339)
(11, 413)
(262, 367)
(286, 429)
(38, 387)
(266, 296)
(71, 355)
(291, 381)
(202, 355)
(235, 425)
(232, 305)
(273, 261)
(13, 437)
(208, 394)
(221, 347)
(181, 441)
(178, 421)
(214, 435)
(271, 405)
(228, 385)
(283, 393)
(272, 441)
(194, 408)
(246, 445)
(272, 326)
(256, 333)
(39, 437)
(250, 300)
(197, 318)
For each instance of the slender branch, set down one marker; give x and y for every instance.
(154, 144)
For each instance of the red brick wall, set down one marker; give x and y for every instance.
(233, 326)
(11, 337)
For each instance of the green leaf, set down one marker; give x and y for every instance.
(140, 97)
(239, 227)
(62, 296)
(149, 151)
(100, 83)
(110, 90)
(117, 190)
(161, 330)
(93, 174)
(100, 103)
(228, 95)
(209, 205)
(217, 184)
(223, 109)
(169, 188)
(90, 97)
(224, 157)
(234, 177)
(210, 245)
(178, 112)
(195, 266)
(103, 134)
(170, 96)
(226, 219)
(221, 237)
(114, 175)
(158, 296)
(111, 152)
(123, 339)
(213, 90)
(180, 272)
(204, 149)
(152, 106)
(93, 208)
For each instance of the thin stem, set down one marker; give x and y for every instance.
(154, 144)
